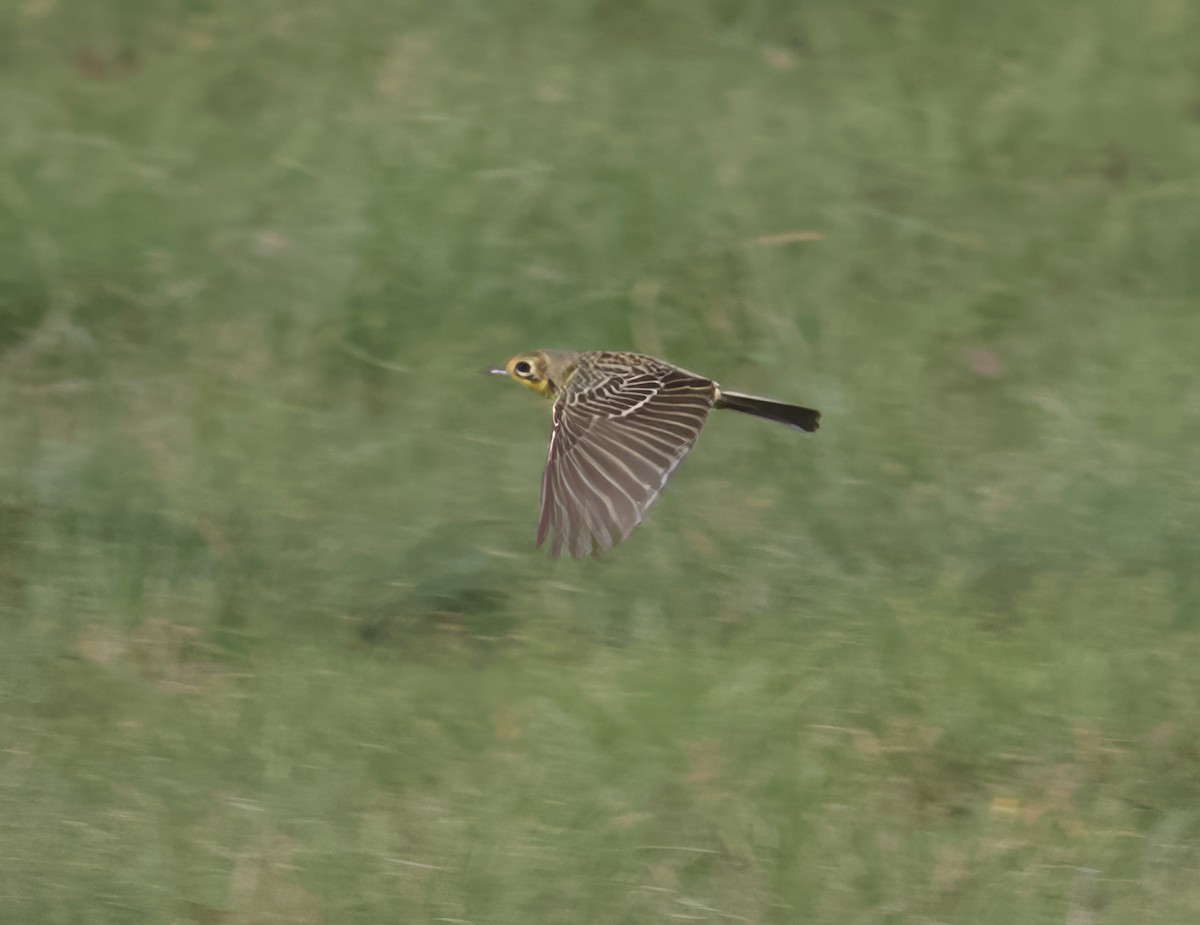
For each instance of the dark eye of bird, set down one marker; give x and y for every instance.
(522, 367)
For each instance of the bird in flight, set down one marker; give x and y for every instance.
(622, 423)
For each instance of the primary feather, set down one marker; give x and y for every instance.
(618, 435)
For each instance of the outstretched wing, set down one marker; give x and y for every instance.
(616, 440)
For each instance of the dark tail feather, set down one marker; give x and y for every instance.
(791, 415)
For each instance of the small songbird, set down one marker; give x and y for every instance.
(622, 423)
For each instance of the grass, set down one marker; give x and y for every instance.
(276, 643)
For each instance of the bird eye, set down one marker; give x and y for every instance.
(522, 367)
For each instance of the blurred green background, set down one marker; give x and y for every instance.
(276, 643)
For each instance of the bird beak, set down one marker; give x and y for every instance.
(494, 372)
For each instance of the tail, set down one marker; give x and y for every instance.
(791, 415)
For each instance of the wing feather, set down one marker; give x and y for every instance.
(616, 440)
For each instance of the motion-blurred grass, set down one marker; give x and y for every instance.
(276, 646)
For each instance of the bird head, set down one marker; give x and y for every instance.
(531, 370)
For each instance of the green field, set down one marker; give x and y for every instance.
(276, 645)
